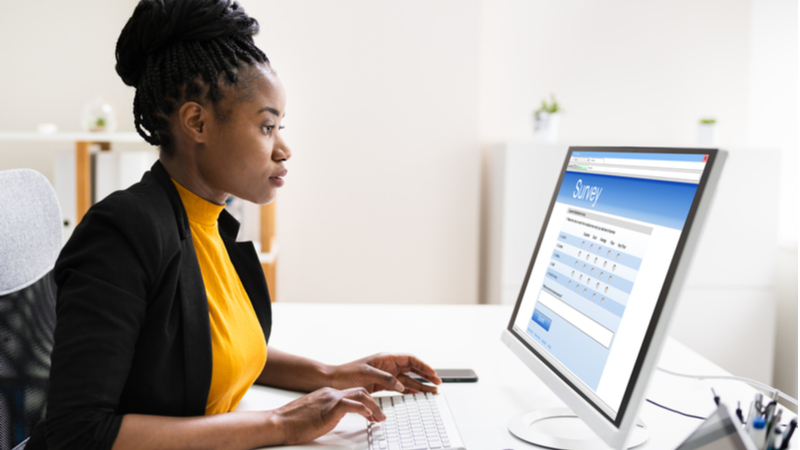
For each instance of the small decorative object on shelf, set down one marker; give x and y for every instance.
(707, 132)
(46, 128)
(99, 115)
(546, 121)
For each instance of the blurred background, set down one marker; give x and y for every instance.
(404, 118)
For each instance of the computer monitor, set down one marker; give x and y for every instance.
(593, 310)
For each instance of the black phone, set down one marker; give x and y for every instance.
(452, 376)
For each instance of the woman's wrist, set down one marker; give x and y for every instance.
(274, 428)
(328, 372)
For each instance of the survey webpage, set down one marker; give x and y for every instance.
(603, 260)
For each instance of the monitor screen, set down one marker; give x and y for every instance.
(603, 265)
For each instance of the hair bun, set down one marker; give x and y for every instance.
(156, 24)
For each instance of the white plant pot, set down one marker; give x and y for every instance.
(546, 127)
(707, 135)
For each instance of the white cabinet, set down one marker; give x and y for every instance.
(115, 171)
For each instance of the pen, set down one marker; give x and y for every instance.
(775, 423)
(774, 441)
(750, 416)
(739, 412)
(769, 410)
(788, 434)
(759, 397)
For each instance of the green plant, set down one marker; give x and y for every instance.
(101, 122)
(708, 121)
(551, 108)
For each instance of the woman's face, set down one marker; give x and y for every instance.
(244, 154)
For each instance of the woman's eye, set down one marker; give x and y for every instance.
(267, 129)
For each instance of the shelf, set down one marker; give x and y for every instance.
(70, 136)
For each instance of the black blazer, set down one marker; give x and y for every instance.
(132, 332)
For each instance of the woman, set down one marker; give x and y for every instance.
(163, 319)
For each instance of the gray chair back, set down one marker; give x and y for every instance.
(30, 240)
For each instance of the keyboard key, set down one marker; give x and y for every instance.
(413, 422)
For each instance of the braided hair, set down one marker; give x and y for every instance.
(174, 51)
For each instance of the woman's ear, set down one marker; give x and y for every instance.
(193, 122)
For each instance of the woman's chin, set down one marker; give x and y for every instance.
(265, 199)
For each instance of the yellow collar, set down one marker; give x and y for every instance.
(199, 210)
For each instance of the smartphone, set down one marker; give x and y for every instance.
(452, 376)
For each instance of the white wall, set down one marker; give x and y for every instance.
(772, 118)
(56, 57)
(381, 200)
(625, 72)
(785, 368)
(773, 121)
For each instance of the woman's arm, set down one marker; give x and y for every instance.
(300, 421)
(375, 373)
(296, 373)
(236, 430)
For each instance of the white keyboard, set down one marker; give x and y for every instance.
(414, 422)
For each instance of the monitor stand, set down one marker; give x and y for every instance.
(560, 428)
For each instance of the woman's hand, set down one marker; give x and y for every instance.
(317, 413)
(385, 371)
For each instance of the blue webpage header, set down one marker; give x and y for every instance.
(663, 203)
(647, 156)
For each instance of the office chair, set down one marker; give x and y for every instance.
(30, 240)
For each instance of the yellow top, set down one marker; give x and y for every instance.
(238, 348)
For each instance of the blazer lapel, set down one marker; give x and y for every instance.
(194, 304)
(245, 260)
(196, 331)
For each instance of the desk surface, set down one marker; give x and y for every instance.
(468, 336)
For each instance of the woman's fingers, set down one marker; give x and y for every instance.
(346, 405)
(384, 379)
(359, 401)
(408, 363)
(423, 370)
(319, 412)
(414, 385)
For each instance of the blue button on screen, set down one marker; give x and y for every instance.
(542, 320)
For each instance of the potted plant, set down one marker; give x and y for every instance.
(99, 116)
(546, 121)
(707, 134)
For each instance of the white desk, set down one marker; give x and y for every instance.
(468, 336)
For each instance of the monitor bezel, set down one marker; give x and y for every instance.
(616, 428)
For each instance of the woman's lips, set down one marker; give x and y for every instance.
(277, 179)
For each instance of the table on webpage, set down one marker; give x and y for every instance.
(587, 285)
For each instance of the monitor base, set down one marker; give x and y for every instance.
(560, 428)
